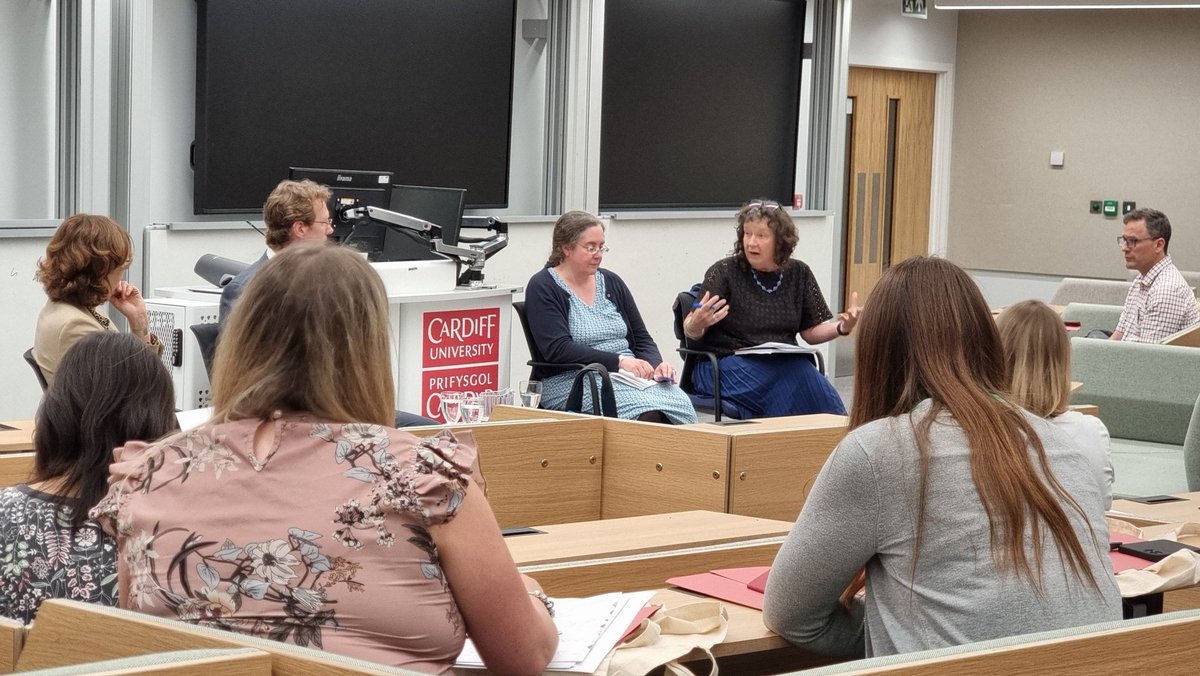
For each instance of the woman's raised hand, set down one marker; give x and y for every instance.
(127, 299)
(709, 310)
(849, 317)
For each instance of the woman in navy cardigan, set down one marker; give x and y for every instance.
(579, 312)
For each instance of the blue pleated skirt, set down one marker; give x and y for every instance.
(770, 385)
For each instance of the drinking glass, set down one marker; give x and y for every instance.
(471, 409)
(531, 393)
(451, 407)
(487, 401)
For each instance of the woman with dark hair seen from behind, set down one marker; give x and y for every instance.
(299, 514)
(1038, 353)
(580, 313)
(81, 270)
(972, 518)
(109, 390)
(760, 294)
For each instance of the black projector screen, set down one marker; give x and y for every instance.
(420, 88)
(701, 102)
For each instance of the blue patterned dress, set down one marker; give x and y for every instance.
(601, 327)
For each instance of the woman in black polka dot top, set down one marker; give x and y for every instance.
(761, 294)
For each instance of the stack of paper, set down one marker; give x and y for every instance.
(587, 630)
(775, 348)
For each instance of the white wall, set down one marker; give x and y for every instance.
(1117, 91)
(22, 299)
(27, 108)
(881, 37)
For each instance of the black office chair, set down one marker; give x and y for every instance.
(600, 404)
(206, 340)
(692, 353)
(37, 370)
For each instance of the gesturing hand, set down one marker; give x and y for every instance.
(849, 318)
(712, 309)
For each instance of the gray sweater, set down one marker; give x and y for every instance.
(862, 511)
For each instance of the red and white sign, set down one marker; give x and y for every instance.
(460, 352)
(475, 378)
(454, 337)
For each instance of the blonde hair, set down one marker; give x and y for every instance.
(1038, 354)
(310, 334)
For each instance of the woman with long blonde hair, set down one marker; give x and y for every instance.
(972, 518)
(300, 515)
(1038, 354)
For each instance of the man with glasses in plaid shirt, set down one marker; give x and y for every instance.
(1160, 302)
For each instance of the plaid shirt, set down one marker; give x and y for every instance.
(1159, 304)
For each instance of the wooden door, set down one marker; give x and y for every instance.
(889, 167)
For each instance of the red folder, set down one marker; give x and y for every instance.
(1122, 561)
(727, 584)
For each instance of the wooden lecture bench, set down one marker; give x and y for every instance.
(641, 552)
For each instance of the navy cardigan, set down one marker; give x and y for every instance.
(547, 306)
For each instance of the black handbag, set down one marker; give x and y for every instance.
(604, 402)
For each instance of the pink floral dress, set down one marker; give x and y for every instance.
(324, 543)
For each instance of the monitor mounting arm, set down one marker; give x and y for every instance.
(472, 256)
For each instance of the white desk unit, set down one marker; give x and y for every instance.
(450, 340)
(454, 339)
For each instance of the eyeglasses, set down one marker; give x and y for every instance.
(760, 204)
(594, 249)
(1130, 242)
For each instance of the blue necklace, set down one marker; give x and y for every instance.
(773, 289)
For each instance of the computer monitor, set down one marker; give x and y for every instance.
(350, 188)
(440, 206)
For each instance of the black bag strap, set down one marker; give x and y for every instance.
(604, 402)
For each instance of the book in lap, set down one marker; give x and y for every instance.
(776, 348)
(632, 380)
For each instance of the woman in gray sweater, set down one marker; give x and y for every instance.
(967, 518)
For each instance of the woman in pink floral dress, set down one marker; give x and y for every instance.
(299, 515)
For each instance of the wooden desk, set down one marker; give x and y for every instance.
(773, 461)
(1189, 337)
(1155, 521)
(540, 470)
(755, 468)
(1165, 513)
(641, 552)
(18, 440)
(15, 468)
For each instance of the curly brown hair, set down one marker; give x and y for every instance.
(81, 255)
(777, 218)
(289, 202)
